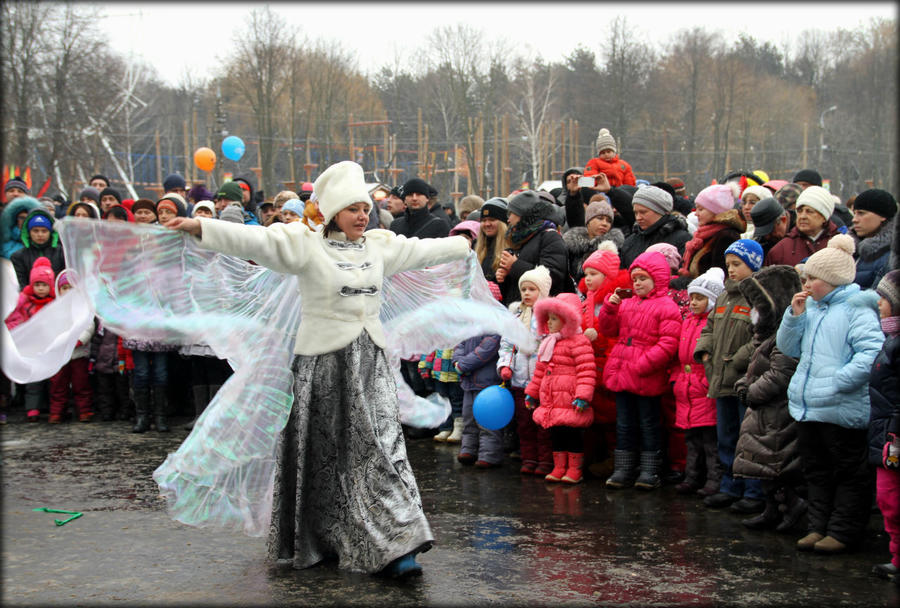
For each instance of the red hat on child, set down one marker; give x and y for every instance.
(605, 259)
(42, 272)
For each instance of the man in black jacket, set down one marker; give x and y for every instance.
(654, 223)
(418, 220)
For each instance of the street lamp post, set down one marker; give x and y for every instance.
(822, 135)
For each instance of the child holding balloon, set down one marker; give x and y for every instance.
(563, 384)
(516, 368)
(475, 360)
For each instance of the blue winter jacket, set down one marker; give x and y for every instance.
(836, 340)
(477, 361)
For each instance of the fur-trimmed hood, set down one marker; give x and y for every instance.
(875, 246)
(731, 218)
(579, 243)
(566, 306)
(657, 267)
(770, 291)
(10, 236)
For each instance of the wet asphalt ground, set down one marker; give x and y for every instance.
(501, 539)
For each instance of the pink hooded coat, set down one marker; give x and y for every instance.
(570, 374)
(692, 407)
(647, 330)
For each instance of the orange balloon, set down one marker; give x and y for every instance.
(205, 159)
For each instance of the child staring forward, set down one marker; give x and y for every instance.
(833, 328)
(517, 368)
(647, 325)
(563, 384)
(694, 410)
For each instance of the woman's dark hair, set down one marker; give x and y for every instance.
(331, 227)
(117, 212)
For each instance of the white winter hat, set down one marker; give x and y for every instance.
(834, 264)
(340, 186)
(204, 205)
(605, 141)
(540, 276)
(760, 192)
(710, 284)
(818, 199)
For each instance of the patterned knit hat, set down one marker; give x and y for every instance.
(717, 198)
(787, 195)
(653, 198)
(710, 284)
(540, 276)
(750, 252)
(818, 199)
(670, 252)
(605, 141)
(834, 264)
(889, 289)
(605, 259)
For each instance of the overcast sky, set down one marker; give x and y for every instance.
(177, 37)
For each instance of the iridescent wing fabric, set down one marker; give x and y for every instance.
(151, 283)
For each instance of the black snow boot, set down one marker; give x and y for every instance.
(624, 470)
(142, 410)
(159, 409)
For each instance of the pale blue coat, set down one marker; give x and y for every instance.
(836, 340)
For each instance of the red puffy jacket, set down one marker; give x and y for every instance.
(647, 329)
(569, 374)
(617, 170)
(27, 306)
(692, 407)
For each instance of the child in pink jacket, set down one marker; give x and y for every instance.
(563, 383)
(647, 323)
(694, 411)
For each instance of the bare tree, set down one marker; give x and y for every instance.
(532, 107)
(626, 68)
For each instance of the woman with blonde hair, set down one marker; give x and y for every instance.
(492, 236)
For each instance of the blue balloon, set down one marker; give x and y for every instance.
(493, 407)
(233, 147)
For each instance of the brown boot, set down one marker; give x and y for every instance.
(809, 541)
(829, 544)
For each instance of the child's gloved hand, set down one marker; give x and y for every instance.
(579, 404)
(456, 368)
(890, 455)
(505, 373)
(742, 397)
(531, 402)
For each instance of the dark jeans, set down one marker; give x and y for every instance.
(149, 366)
(838, 483)
(454, 393)
(637, 423)
(729, 414)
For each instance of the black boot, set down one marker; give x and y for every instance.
(766, 520)
(202, 394)
(159, 409)
(794, 508)
(649, 478)
(142, 410)
(624, 470)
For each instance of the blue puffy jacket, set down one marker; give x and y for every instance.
(836, 340)
(477, 361)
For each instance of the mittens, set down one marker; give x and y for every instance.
(579, 404)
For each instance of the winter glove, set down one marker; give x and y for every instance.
(505, 373)
(531, 402)
(891, 453)
(456, 367)
(742, 397)
(579, 404)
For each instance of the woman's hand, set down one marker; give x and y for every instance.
(500, 274)
(185, 224)
(507, 260)
(798, 303)
(601, 183)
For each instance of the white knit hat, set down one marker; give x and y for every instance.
(340, 186)
(208, 205)
(834, 264)
(761, 192)
(818, 199)
(605, 141)
(540, 276)
(710, 284)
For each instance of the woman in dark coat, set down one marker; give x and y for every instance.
(533, 241)
(767, 448)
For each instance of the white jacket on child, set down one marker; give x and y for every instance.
(521, 364)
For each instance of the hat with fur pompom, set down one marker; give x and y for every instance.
(834, 264)
(605, 259)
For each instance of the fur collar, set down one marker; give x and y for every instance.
(878, 244)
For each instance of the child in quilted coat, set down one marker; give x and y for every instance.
(647, 325)
(602, 275)
(607, 161)
(475, 360)
(694, 411)
(563, 384)
(516, 368)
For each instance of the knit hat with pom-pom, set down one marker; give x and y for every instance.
(42, 272)
(540, 276)
(834, 264)
(710, 284)
(717, 198)
(605, 259)
(605, 141)
(670, 252)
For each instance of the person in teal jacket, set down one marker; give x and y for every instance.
(833, 328)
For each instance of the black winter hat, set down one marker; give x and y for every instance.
(417, 186)
(172, 181)
(496, 208)
(810, 176)
(879, 202)
(99, 176)
(769, 290)
(113, 192)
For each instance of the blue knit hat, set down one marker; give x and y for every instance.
(295, 205)
(750, 252)
(40, 221)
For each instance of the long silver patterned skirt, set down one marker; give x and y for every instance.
(343, 485)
